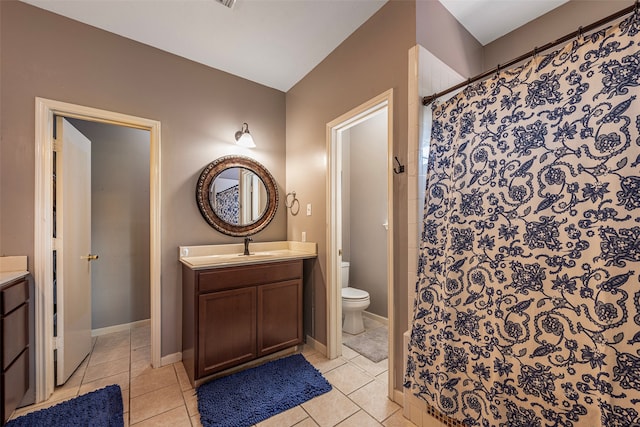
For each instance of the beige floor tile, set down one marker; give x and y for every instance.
(154, 403)
(108, 355)
(78, 375)
(107, 369)
(330, 408)
(373, 368)
(322, 364)
(360, 419)
(141, 353)
(373, 399)
(65, 392)
(140, 367)
(398, 420)
(183, 379)
(287, 418)
(195, 421)
(120, 379)
(191, 402)
(153, 380)
(125, 400)
(348, 353)
(140, 337)
(113, 340)
(307, 422)
(348, 378)
(176, 417)
(307, 350)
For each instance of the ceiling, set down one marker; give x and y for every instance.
(272, 42)
(488, 20)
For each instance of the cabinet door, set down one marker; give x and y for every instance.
(279, 316)
(227, 329)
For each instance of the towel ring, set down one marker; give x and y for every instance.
(290, 203)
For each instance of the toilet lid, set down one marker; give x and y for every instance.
(353, 293)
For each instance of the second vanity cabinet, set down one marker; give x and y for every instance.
(232, 315)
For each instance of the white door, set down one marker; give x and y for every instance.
(73, 246)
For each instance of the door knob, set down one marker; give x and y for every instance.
(89, 257)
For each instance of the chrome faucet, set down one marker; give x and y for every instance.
(246, 245)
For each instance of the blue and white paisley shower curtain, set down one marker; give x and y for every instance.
(527, 305)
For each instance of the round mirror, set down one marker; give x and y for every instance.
(237, 195)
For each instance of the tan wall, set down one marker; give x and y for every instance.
(549, 27)
(372, 60)
(200, 109)
(442, 35)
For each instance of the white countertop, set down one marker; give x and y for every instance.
(218, 256)
(10, 276)
(12, 268)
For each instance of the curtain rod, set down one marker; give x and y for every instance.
(429, 99)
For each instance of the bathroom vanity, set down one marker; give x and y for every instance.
(14, 333)
(240, 308)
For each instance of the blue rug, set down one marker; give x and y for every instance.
(248, 397)
(100, 408)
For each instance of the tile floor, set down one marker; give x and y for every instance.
(164, 397)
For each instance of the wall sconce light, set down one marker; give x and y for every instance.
(243, 137)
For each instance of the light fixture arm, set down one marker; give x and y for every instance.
(245, 129)
(244, 138)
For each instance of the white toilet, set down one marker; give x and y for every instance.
(354, 302)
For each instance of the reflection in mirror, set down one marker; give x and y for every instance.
(238, 196)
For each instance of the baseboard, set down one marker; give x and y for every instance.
(317, 346)
(119, 328)
(398, 397)
(171, 358)
(376, 317)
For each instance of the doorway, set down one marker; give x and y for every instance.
(336, 134)
(46, 110)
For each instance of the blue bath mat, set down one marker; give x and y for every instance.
(100, 408)
(248, 397)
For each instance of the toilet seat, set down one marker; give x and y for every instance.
(353, 294)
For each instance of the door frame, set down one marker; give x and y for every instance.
(334, 309)
(45, 110)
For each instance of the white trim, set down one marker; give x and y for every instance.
(45, 109)
(170, 359)
(317, 345)
(334, 303)
(119, 328)
(377, 318)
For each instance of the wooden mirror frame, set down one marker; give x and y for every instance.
(209, 174)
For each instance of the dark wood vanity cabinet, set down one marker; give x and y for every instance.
(14, 319)
(233, 315)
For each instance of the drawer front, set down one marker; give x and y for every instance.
(248, 275)
(15, 334)
(15, 382)
(14, 295)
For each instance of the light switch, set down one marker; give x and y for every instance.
(308, 209)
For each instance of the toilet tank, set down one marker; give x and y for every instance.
(345, 274)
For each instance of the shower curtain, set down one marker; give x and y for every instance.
(527, 309)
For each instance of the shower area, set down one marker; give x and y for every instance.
(526, 305)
